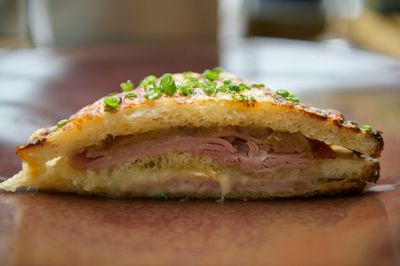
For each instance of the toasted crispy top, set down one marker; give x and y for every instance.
(205, 106)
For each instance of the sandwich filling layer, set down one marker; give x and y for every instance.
(252, 149)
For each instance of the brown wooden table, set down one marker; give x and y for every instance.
(37, 88)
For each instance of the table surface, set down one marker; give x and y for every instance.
(37, 88)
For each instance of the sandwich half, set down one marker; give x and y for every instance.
(200, 135)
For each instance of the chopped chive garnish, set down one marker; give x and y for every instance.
(293, 99)
(218, 70)
(153, 93)
(288, 96)
(126, 86)
(147, 81)
(210, 83)
(167, 84)
(229, 87)
(161, 197)
(283, 93)
(243, 98)
(234, 87)
(258, 85)
(210, 75)
(112, 93)
(243, 87)
(62, 122)
(156, 88)
(210, 91)
(195, 83)
(238, 97)
(224, 89)
(227, 81)
(131, 95)
(209, 87)
(366, 128)
(185, 90)
(111, 104)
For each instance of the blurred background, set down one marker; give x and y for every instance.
(57, 56)
(301, 44)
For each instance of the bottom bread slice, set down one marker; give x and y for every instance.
(184, 175)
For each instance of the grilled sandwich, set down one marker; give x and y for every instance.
(200, 135)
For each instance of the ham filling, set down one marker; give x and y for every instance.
(229, 147)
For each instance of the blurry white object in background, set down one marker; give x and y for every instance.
(232, 19)
(303, 66)
(339, 9)
(40, 23)
(339, 15)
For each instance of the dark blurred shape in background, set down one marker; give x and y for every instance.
(13, 26)
(299, 44)
(373, 25)
(369, 24)
(304, 44)
(72, 23)
(99, 21)
(294, 19)
(294, 43)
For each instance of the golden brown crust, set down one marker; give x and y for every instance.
(329, 118)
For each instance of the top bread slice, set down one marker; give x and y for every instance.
(93, 123)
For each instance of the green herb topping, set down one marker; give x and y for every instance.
(224, 89)
(233, 88)
(218, 69)
(126, 86)
(111, 104)
(209, 87)
(227, 81)
(210, 75)
(185, 90)
(161, 197)
(153, 93)
(62, 122)
(155, 88)
(194, 82)
(167, 84)
(131, 95)
(288, 96)
(242, 98)
(366, 128)
(283, 93)
(293, 99)
(243, 87)
(258, 85)
(147, 81)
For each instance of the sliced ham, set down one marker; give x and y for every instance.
(322, 150)
(228, 147)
